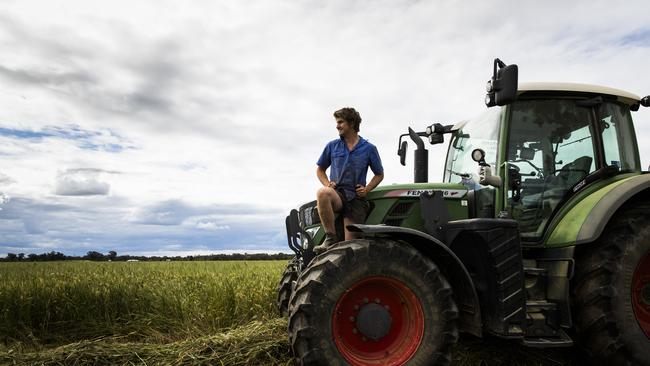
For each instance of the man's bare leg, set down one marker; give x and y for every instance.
(328, 202)
(349, 235)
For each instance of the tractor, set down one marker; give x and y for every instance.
(539, 233)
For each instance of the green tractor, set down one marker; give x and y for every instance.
(539, 233)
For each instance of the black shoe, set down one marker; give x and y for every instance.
(330, 239)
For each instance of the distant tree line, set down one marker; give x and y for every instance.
(112, 256)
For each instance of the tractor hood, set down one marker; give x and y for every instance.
(449, 190)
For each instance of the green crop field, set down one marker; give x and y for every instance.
(161, 313)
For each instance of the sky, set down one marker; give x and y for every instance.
(181, 128)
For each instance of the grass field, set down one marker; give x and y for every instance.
(160, 313)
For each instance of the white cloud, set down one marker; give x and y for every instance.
(80, 182)
(211, 225)
(3, 199)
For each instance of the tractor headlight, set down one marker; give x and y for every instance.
(312, 233)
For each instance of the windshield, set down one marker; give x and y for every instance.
(481, 132)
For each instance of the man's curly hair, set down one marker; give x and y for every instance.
(349, 115)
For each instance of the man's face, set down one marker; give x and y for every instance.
(343, 127)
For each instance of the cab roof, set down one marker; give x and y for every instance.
(623, 96)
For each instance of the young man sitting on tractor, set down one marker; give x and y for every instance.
(345, 191)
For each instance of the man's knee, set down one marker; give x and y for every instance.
(325, 194)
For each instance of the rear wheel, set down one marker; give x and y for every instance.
(289, 277)
(613, 291)
(372, 302)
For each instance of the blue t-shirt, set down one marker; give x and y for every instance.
(350, 168)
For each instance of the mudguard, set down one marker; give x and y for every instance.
(449, 264)
(585, 221)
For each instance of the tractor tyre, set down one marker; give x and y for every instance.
(612, 291)
(285, 287)
(372, 302)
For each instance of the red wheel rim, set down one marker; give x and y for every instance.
(641, 293)
(406, 328)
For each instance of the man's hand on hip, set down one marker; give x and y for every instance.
(361, 191)
(332, 184)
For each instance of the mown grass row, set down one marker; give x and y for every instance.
(58, 302)
(255, 343)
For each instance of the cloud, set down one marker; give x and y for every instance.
(4, 199)
(206, 217)
(5, 179)
(171, 212)
(45, 78)
(211, 225)
(80, 182)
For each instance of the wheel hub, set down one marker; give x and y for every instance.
(374, 321)
(378, 321)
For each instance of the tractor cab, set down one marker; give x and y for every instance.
(552, 142)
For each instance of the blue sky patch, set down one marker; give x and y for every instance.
(85, 139)
(22, 134)
(640, 38)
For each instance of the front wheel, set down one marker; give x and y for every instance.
(285, 287)
(372, 302)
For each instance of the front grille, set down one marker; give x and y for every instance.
(398, 213)
(401, 209)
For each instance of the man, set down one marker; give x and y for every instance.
(345, 191)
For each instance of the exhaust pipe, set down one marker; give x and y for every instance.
(421, 168)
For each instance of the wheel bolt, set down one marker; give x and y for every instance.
(356, 307)
(351, 318)
(365, 300)
(354, 330)
(364, 339)
(377, 301)
(387, 307)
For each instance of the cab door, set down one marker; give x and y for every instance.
(551, 146)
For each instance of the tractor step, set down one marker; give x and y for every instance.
(561, 340)
(536, 306)
(535, 271)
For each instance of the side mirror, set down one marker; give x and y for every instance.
(402, 153)
(645, 101)
(502, 88)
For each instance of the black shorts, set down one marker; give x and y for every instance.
(356, 209)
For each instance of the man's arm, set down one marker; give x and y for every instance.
(374, 182)
(322, 177)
